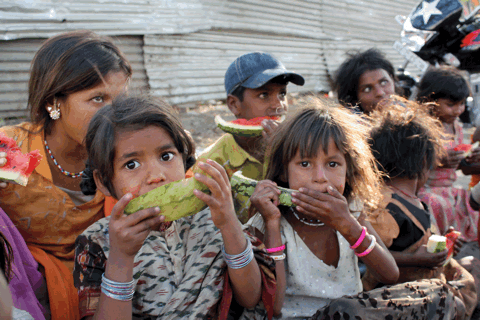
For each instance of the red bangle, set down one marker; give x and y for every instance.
(369, 249)
(277, 249)
(360, 240)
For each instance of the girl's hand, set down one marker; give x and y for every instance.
(453, 158)
(429, 260)
(127, 233)
(474, 157)
(458, 243)
(3, 161)
(265, 200)
(330, 207)
(220, 201)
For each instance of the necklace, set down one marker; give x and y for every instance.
(308, 222)
(68, 174)
(404, 193)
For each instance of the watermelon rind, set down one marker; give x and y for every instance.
(13, 176)
(245, 186)
(175, 200)
(436, 243)
(240, 130)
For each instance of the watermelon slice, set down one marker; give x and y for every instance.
(244, 127)
(19, 166)
(451, 237)
(466, 148)
(436, 243)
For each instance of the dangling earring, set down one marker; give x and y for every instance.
(54, 113)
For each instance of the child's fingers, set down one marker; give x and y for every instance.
(209, 200)
(148, 224)
(215, 182)
(3, 184)
(117, 211)
(211, 184)
(221, 170)
(139, 216)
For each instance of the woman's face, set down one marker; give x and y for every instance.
(319, 171)
(78, 108)
(144, 160)
(448, 111)
(373, 86)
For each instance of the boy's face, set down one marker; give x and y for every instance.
(268, 100)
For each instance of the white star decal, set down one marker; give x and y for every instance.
(428, 9)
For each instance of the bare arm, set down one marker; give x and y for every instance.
(420, 258)
(246, 282)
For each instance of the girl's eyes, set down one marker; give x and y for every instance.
(130, 165)
(384, 82)
(304, 164)
(167, 156)
(98, 99)
(332, 164)
(263, 95)
(367, 89)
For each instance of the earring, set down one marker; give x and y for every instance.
(54, 113)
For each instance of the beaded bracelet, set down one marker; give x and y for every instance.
(279, 257)
(238, 261)
(122, 291)
(360, 240)
(369, 249)
(277, 249)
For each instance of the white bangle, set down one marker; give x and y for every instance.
(279, 257)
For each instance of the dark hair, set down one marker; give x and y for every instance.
(125, 114)
(240, 90)
(445, 82)
(68, 63)
(346, 78)
(311, 128)
(405, 139)
(6, 257)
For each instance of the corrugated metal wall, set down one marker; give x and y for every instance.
(15, 59)
(190, 43)
(42, 19)
(191, 67)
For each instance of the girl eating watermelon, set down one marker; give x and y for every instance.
(407, 142)
(137, 265)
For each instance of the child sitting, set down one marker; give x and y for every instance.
(448, 90)
(407, 143)
(256, 86)
(140, 266)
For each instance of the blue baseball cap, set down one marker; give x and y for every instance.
(252, 70)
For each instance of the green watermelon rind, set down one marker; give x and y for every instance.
(13, 176)
(245, 186)
(175, 200)
(238, 129)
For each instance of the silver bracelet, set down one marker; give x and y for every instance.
(122, 291)
(279, 257)
(119, 297)
(238, 261)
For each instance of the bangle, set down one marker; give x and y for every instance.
(122, 291)
(238, 261)
(360, 240)
(277, 249)
(279, 257)
(369, 249)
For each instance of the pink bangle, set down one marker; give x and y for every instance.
(277, 249)
(369, 249)
(360, 240)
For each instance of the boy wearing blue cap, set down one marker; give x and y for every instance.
(256, 86)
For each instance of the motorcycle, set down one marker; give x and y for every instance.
(439, 32)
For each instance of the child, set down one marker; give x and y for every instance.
(448, 90)
(364, 79)
(407, 143)
(323, 153)
(170, 270)
(256, 86)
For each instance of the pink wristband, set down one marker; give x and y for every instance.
(277, 249)
(360, 240)
(369, 249)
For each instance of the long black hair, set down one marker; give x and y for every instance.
(129, 113)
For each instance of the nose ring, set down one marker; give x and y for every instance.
(277, 111)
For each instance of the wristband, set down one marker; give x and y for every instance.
(369, 249)
(360, 240)
(122, 291)
(279, 257)
(238, 261)
(277, 249)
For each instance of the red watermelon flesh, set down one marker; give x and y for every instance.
(452, 237)
(463, 147)
(255, 121)
(19, 166)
